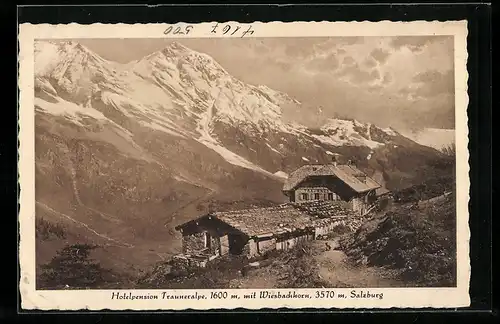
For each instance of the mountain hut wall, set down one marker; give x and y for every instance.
(320, 188)
(208, 236)
(327, 227)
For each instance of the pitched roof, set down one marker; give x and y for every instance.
(346, 173)
(382, 191)
(282, 218)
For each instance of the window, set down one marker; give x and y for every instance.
(316, 196)
(208, 240)
(330, 196)
(304, 196)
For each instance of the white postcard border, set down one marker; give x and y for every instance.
(102, 299)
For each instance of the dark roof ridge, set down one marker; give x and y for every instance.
(346, 173)
(269, 219)
(278, 206)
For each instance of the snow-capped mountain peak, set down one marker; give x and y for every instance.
(177, 46)
(198, 83)
(176, 90)
(352, 132)
(69, 69)
(187, 94)
(54, 59)
(181, 56)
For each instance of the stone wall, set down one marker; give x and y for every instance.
(349, 224)
(224, 245)
(325, 229)
(267, 245)
(193, 243)
(292, 242)
(252, 248)
(197, 242)
(246, 249)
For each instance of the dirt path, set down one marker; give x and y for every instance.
(335, 269)
(332, 267)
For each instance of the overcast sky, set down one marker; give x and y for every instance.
(403, 82)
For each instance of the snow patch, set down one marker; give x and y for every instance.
(389, 131)
(372, 144)
(161, 128)
(341, 132)
(281, 174)
(46, 56)
(233, 158)
(45, 85)
(154, 119)
(336, 141)
(77, 113)
(273, 149)
(73, 112)
(209, 141)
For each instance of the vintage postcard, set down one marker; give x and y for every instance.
(225, 165)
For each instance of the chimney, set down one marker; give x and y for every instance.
(361, 177)
(334, 160)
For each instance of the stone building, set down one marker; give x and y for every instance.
(332, 182)
(254, 232)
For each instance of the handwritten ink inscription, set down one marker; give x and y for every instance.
(232, 30)
(178, 30)
(216, 30)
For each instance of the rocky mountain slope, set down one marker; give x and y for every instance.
(124, 152)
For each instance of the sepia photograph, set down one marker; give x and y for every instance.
(245, 163)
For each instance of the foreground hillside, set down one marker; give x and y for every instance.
(405, 245)
(416, 239)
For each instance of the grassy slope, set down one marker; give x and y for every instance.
(418, 240)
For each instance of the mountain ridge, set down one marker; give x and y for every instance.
(227, 109)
